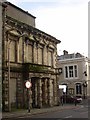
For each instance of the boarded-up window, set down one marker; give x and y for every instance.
(25, 52)
(12, 51)
(12, 44)
(20, 50)
(40, 56)
(49, 58)
(30, 52)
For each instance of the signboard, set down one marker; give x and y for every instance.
(62, 87)
(28, 84)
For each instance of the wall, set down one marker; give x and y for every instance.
(19, 15)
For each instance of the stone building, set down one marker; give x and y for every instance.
(28, 54)
(75, 74)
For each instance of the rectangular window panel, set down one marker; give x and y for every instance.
(70, 71)
(78, 89)
(52, 59)
(71, 91)
(25, 52)
(12, 51)
(66, 72)
(49, 58)
(20, 50)
(30, 53)
(75, 69)
(40, 55)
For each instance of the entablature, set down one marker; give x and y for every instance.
(33, 33)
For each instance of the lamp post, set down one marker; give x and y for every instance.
(85, 86)
(28, 86)
(58, 72)
(84, 89)
(9, 102)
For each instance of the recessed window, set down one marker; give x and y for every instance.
(50, 58)
(71, 71)
(66, 72)
(75, 69)
(78, 88)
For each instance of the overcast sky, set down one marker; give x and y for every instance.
(67, 20)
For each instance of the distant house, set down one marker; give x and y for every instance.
(75, 73)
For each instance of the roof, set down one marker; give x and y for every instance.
(29, 27)
(70, 56)
(8, 3)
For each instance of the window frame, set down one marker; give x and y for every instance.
(15, 39)
(78, 88)
(67, 75)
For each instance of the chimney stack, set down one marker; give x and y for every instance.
(65, 52)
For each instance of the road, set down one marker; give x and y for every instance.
(79, 111)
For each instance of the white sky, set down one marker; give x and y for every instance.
(67, 20)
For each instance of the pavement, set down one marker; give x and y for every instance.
(33, 111)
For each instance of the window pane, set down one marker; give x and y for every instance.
(12, 51)
(75, 68)
(20, 51)
(49, 58)
(70, 71)
(30, 53)
(66, 72)
(78, 88)
(40, 56)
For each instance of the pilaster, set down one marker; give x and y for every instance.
(49, 93)
(46, 95)
(39, 94)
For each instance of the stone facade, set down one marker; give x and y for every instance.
(28, 54)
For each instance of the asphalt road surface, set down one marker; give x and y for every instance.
(78, 112)
(81, 111)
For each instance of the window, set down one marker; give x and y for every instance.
(78, 88)
(12, 51)
(13, 54)
(40, 55)
(66, 72)
(20, 49)
(28, 50)
(75, 69)
(71, 91)
(49, 58)
(30, 53)
(71, 71)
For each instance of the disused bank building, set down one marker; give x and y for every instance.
(28, 54)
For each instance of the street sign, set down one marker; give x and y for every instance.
(28, 84)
